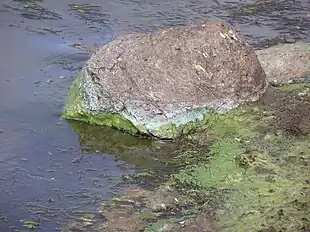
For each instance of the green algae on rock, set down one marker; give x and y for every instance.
(78, 109)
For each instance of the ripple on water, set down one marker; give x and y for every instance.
(30, 9)
(262, 20)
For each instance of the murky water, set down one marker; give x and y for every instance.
(49, 168)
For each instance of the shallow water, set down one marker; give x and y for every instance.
(49, 168)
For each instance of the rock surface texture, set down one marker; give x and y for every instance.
(286, 62)
(157, 83)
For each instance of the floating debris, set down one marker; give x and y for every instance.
(30, 224)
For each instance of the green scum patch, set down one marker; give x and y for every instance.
(256, 169)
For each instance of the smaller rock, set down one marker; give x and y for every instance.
(270, 136)
(156, 207)
(285, 62)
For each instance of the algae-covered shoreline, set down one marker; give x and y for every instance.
(248, 172)
(259, 164)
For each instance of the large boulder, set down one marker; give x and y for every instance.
(157, 83)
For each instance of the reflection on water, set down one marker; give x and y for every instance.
(49, 168)
(142, 153)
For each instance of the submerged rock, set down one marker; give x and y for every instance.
(157, 83)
